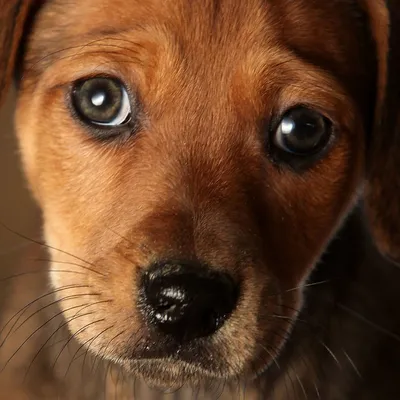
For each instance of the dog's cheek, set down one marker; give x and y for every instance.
(63, 171)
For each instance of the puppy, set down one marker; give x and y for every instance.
(219, 185)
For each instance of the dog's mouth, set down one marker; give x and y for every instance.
(167, 363)
(191, 368)
(171, 374)
(168, 367)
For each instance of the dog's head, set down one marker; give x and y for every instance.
(194, 159)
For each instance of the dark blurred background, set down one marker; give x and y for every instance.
(17, 210)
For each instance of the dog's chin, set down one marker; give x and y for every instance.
(168, 375)
(167, 366)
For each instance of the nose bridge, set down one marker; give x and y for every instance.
(205, 208)
(201, 119)
(210, 145)
(207, 156)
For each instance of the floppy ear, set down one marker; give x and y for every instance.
(382, 191)
(13, 14)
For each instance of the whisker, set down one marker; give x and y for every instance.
(142, 246)
(52, 335)
(88, 347)
(302, 351)
(369, 322)
(286, 375)
(317, 391)
(98, 352)
(42, 244)
(294, 391)
(314, 325)
(331, 353)
(352, 363)
(56, 342)
(75, 335)
(21, 311)
(39, 271)
(75, 357)
(271, 355)
(308, 285)
(75, 296)
(34, 332)
(212, 387)
(301, 385)
(101, 357)
(65, 263)
(320, 341)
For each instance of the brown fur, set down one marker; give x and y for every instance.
(195, 183)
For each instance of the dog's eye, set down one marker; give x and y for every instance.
(302, 132)
(102, 101)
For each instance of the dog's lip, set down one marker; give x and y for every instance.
(168, 373)
(183, 359)
(179, 358)
(155, 348)
(162, 361)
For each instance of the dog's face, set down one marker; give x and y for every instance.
(192, 162)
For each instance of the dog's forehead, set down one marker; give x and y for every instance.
(325, 27)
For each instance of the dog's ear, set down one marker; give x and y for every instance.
(13, 15)
(382, 191)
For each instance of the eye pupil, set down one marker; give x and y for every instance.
(302, 131)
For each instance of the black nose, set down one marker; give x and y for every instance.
(187, 301)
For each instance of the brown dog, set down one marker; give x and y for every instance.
(209, 173)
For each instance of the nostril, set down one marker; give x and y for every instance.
(187, 301)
